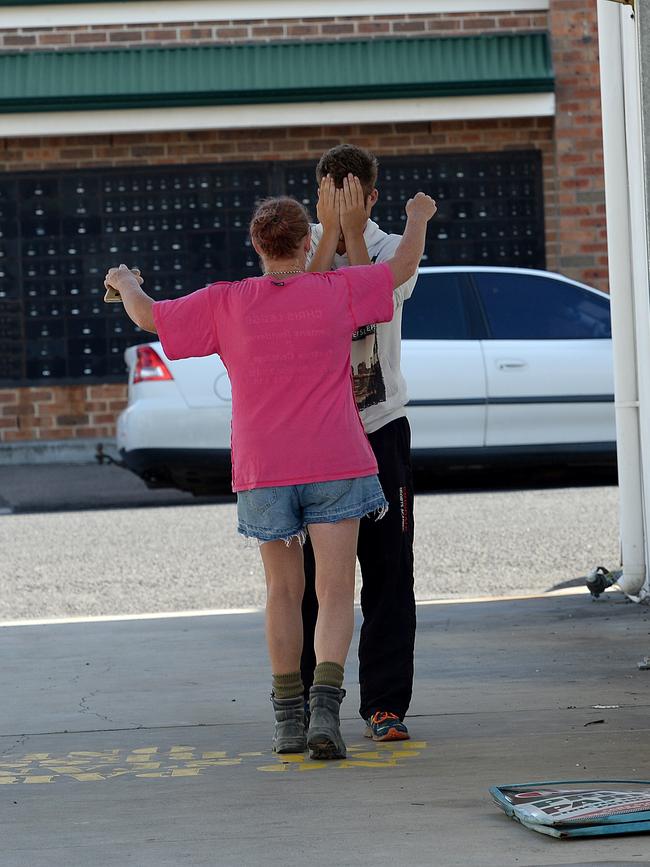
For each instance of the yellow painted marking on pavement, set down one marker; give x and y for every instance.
(102, 754)
(87, 778)
(154, 775)
(383, 755)
(213, 763)
(69, 769)
(147, 763)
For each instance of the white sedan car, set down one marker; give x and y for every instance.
(501, 364)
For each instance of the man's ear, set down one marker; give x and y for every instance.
(307, 244)
(256, 248)
(371, 201)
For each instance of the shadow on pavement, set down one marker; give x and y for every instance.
(71, 487)
(514, 478)
(147, 741)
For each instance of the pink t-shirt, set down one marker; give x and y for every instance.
(286, 346)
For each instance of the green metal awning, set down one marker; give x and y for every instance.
(275, 73)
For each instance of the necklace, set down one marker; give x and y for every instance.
(295, 271)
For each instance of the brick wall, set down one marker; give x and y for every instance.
(299, 143)
(582, 240)
(194, 33)
(59, 412)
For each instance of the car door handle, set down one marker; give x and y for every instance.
(511, 363)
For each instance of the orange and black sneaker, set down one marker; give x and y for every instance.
(384, 726)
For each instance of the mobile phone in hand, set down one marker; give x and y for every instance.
(112, 295)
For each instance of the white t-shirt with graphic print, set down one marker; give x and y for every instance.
(380, 388)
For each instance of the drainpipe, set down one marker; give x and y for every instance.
(618, 191)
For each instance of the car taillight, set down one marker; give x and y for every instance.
(149, 366)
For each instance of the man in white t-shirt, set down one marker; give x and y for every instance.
(385, 549)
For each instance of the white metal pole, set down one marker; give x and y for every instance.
(621, 291)
(640, 273)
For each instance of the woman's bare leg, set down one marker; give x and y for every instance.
(335, 550)
(285, 586)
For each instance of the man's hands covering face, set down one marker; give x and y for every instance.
(354, 214)
(328, 207)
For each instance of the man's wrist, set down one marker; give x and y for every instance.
(353, 232)
(417, 220)
(330, 232)
(330, 239)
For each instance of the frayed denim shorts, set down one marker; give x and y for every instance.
(285, 512)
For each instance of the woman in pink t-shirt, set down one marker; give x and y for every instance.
(301, 459)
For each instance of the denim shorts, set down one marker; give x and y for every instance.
(284, 512)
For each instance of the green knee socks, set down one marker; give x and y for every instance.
(287, 685)
(328, 674)
(291, 686)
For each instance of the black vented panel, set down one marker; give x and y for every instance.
(186, 226)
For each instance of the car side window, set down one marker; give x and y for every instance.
(530, 307)
(436, 310)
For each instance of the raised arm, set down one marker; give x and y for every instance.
(137, 303)
(327, 211)
(404, 263)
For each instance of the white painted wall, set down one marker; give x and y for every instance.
(226, 10)
(266, 116)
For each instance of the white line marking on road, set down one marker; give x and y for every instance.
(566, 591)
(110, 618)
(218, 612)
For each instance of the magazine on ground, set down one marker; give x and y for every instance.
(578, 808)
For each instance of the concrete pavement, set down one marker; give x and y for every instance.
(146, 742)
(67, 550)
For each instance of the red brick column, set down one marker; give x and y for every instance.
(581, 242)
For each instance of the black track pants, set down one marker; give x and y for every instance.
(385, 553)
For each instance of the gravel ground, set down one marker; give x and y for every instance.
(167, 558)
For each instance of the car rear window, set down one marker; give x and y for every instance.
(436, 310)
(531, 307)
